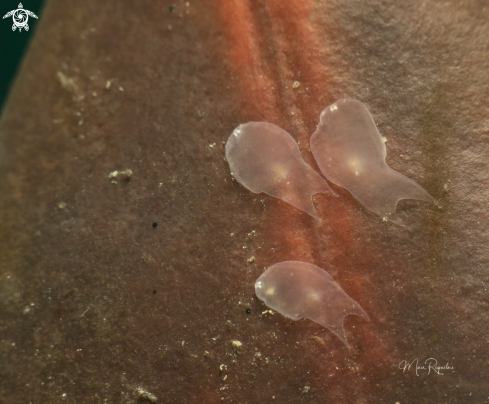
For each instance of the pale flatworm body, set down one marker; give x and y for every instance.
(350, 153)
(301, 290)
(266, 158)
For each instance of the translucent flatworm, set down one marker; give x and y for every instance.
(301, 290)
(265, 158)
(350, 153)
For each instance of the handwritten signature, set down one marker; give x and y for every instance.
(430, 365)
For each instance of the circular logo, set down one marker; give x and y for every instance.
(20, 18)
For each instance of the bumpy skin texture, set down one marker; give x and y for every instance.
(97, 331)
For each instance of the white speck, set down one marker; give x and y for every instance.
(237, 344)
(121, 88)
(62, 205)
(108, 84)
(333, 107)
(296, 84)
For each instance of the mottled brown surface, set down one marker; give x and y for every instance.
(95, 302)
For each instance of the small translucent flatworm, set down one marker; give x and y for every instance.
(301, 290)
(265, 158)
(350, 153)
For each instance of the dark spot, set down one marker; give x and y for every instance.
(154, 292)
(171, 8)
(248, 311)
(155, 225)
